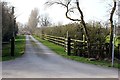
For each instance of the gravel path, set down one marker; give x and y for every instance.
(40, 62)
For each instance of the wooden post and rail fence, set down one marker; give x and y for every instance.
(79, 47)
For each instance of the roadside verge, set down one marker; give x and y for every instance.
(19, 48)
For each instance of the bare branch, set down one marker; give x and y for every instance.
(66, 5)
(69, 10)
(70, 17)
(110, 5)
(50, 3)
(68, 2)
(72, 9)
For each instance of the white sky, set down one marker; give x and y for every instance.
(92, 10)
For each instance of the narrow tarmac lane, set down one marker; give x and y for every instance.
(40, 62)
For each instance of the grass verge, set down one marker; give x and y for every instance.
(61, 51)
(19, 48)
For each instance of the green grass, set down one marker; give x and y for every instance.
(5, 49)
(19, 48)
(61, 51)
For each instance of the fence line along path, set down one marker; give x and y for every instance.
(79, 47)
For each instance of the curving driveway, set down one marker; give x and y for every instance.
(40, 62)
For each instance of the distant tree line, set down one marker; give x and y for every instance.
(8, 22)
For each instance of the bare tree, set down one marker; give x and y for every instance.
(33, 20)
(70, 8)
(44, 20)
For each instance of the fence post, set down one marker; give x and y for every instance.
(83, 38)
(12, 46)
(68, 46)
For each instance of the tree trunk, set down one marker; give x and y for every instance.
(85, 28)
(112, 27)
(87, 37)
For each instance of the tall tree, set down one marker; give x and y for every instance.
(33, 20)
(71, 8)
(111, 24)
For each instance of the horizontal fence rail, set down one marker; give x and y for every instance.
(57, 40)
(79, 47)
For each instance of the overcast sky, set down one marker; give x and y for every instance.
(92, 9)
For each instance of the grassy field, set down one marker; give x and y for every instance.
(61, 51)
(19, 48)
